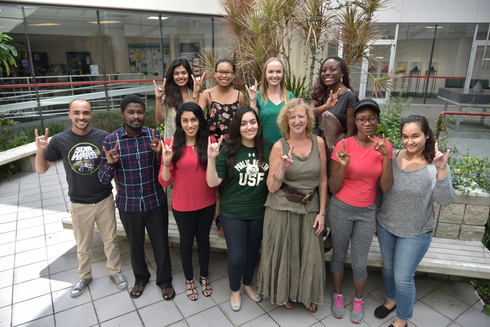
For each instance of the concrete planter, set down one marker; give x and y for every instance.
(464, 219)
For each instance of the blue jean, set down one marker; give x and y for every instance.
(243, 238)
(401, 257)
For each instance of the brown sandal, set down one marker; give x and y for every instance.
(190, 287)
(206, 286)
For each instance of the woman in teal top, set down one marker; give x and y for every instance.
(272, 96)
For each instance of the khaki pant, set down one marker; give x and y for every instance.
(84, 217)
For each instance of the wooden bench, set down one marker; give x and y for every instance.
(25, 153)
(445, 256)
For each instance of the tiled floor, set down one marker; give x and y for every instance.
(38, 267)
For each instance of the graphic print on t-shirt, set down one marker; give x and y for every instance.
(250, 172)
(84, 158)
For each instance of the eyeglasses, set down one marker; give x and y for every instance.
(224, 72)
(372, 120)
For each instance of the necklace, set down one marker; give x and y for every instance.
(358, 142)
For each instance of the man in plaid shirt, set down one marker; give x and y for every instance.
(133, 155)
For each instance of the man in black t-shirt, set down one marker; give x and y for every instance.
(90, 201)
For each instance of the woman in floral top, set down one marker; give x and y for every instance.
(221, 102)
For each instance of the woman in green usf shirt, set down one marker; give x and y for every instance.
(243, 163)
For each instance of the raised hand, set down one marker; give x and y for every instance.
(156, 143)
(167, 153)
(159, 90)
(342, 156)
(333, 99)
(213, 148)
(380, 146)
(42, 141)
(112, 156)
(440, 160)
(198, 83)
(252, 92)
(287, 159)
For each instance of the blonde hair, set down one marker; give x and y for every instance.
(264, 85)
(283, 118)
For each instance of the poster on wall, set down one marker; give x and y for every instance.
(146, 59)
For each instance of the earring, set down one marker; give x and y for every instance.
(341, 80)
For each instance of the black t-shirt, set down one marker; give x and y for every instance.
(345, 100)
(81, 157)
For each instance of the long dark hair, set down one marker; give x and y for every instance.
(173, 97)
(320, 89)
(201, 137)
(234, 141)
(430, 142)
(231, 62)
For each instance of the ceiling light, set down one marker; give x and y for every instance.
(156, 17)
(44, 24)
(106, 22)
(433, 27)
(379, 57)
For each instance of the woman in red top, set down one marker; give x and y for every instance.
(184, 161)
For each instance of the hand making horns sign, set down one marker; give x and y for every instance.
(342, 156)
(380, 146)
(198, 82)
(156, 143)
(167, 152)
(42, 141)
(159, 90)
(213, 148)
(252, 92)
(440, 159)
(287, 159)
(112, 156)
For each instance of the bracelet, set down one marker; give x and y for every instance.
(274, 177)
(194, 98)
(323, 214)
(165, 164)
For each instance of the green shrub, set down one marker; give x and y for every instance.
(469, 173)
(111, 121)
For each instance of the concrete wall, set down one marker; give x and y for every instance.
(464, 219)
(202, 7)
(440, 11)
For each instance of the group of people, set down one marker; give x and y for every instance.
(268, 173)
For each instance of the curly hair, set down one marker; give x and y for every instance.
(283, 117)
(430, 143)
(320, 89)
(131, 98)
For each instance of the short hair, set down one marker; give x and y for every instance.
(79, 100)
(283, 117)
(131, 98)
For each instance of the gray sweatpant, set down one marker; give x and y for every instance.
(354, 224)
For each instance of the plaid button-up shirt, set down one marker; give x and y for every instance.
(136, 171)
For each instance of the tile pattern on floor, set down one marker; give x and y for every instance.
(38, 267)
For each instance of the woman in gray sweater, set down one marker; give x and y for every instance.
(406, 219)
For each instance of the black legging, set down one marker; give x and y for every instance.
(194, 223)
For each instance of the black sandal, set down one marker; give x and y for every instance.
(206, 286)
(165, 294)
(139, 288)
(190, 287)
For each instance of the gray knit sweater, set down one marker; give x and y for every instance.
(407, 210)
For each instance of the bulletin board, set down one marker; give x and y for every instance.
(147, 58)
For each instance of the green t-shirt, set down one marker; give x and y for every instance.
(268, 117)
(246, 186)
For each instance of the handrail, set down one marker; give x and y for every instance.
(442, 128)
(79, 83)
